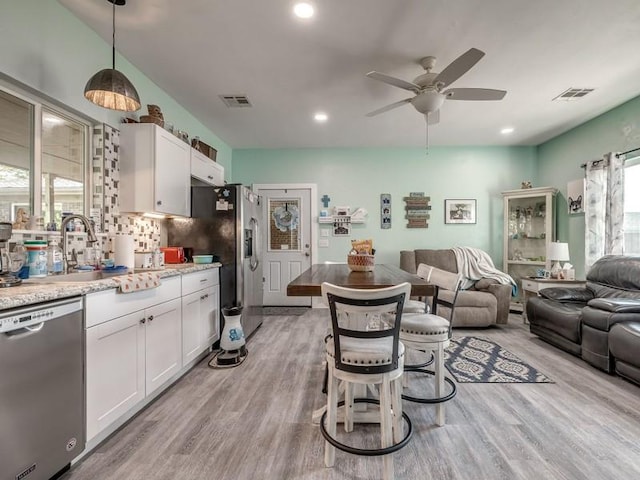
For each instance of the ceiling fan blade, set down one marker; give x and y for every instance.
(474, 94)
(396, 82)
(459, 67)
(388, 107)
(433, 117)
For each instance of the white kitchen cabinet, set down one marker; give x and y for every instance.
(200, 313)
(132, 355)
(205, 169)
(115, 370)
(163, 347)
(155, 171)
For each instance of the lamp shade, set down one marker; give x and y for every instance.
(559, 251)
(109, 88)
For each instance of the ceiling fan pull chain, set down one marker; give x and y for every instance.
(426, 135)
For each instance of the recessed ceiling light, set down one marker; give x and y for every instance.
(303, 10)
(507, 130)
(321, 117)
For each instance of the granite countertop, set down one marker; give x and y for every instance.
(33, 291)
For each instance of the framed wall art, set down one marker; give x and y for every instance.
(575, 196)
(457, 210)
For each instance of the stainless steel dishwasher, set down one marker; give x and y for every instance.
(41, 389)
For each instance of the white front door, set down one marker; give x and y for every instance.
(286, 242)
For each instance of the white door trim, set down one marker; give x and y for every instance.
(315, 301)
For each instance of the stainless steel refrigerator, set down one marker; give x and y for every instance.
(225, 221)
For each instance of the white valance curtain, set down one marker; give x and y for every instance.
(604, 208)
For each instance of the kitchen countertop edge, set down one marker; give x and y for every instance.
(30, 293)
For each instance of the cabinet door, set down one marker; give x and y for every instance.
(192, 343)
(163, 343)
(205, 169)
(115, 373)
(210, 319)
(172, 173)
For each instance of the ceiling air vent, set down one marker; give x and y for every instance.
(235, 101)
(573, 94)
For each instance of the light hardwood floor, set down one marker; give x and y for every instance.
(254, 421)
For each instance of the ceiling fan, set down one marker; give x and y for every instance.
(429, 88)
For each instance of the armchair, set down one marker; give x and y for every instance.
(485, 303)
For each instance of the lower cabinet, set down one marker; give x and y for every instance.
(115, 370)
(129, 358)
(200, 315)
(138, 341)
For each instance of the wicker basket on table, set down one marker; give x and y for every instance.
(359, 262)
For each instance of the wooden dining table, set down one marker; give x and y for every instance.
(308, 284)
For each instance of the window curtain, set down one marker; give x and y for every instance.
(604, 208)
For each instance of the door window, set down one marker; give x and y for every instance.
(284, 222)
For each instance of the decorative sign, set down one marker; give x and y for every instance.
(575, 196)
(417, 210)
(385, 210)
(341, 225)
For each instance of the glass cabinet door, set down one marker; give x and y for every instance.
(528, 229)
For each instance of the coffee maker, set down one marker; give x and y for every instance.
(7, 278)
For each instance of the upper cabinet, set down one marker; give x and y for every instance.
(155, 169)
(529, 227)
(205, 169)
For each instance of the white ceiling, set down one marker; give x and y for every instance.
(196, 50)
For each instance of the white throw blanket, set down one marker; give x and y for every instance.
(474, 264)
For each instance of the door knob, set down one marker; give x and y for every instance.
(306, 254)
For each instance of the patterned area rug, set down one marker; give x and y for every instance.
(478, 360)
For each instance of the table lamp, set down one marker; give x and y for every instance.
(558, 252)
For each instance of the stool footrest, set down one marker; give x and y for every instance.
(449, 396)
(368, 452)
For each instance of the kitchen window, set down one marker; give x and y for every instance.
(44, 159)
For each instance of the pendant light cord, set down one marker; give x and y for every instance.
(113, 36)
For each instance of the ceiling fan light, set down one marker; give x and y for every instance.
(110, 89)
(428, 102)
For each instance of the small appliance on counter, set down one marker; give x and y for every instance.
(7, 278)
(173, 255)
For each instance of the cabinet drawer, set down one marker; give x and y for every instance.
(193, 282)
(530, 286)
(108, 304)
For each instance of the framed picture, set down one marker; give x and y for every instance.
(458, 210)
(575, 196)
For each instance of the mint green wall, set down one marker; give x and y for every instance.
(356, 178)
(45, 47)
(559, 162)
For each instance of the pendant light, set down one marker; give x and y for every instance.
(109, 88)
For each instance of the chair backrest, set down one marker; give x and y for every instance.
(366, 320)
(441, 280)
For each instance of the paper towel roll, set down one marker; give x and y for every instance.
(123, 249)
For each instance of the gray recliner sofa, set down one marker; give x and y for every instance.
(598, 320)
(486, 303)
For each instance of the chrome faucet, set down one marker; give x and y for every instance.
(91, 237)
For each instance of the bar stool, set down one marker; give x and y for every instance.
(431, 333)
(419, 306)
(364, 349)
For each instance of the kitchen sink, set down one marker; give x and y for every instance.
(76, 277)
